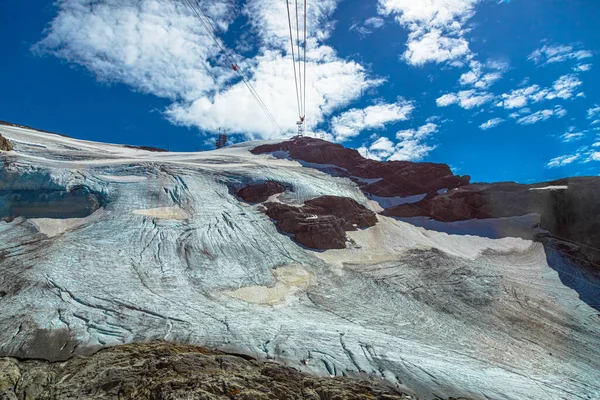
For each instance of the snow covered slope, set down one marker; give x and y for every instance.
(172, 254)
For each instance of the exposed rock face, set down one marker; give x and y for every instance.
(5, 144)
(259, 192)
(569, 208)
(166, 371)
(322, 222)
(396, 178)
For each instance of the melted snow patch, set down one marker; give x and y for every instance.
(551, 188)
(390, 239)
(52, 227)
(289, 280)
(164, 213)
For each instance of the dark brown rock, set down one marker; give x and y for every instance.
(259, 192)
(5, 144)
(167, 371)
(396, 178)
(321, 223)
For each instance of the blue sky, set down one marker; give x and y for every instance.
(498, 90)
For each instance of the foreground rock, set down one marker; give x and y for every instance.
(5, 144)
(259, 192)
(166, 371)
(394, 178)
(321, 223)
(569, 208)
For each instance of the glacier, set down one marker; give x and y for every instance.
(170, 253)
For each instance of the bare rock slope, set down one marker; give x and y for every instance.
(171, 372)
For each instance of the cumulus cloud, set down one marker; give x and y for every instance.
(352, 122)
(483, 75)
(381, 149)
(563, 88)
(542, 115)
(158, 47)
(466, 99)
(418, 134)
(411, 146)
(549, 54)
(491, 123)
(436, 28)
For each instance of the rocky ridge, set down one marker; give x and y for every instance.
(379, 178)
(165, 371)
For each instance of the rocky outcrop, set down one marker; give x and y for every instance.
(5, 144)
(569, 208)
(166, 371)
(394, 178)
(147, 148)
(321, 223)
(260, 192)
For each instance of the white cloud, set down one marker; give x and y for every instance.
(562, 161)
(549, 54)
(411, 150)
(572, 135)
(375, 22)
(593, 112)
(466, 99)
(520, 97)
(411, 146)
(352, 122)
(483, 75)
(563, 88)
(381, 149)
(519, 113)
(158, 47)
(436, 28)
(433, 46)
(491, 123)
(542, 115)
(582, 68)
(418, 134)
(365, 28)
